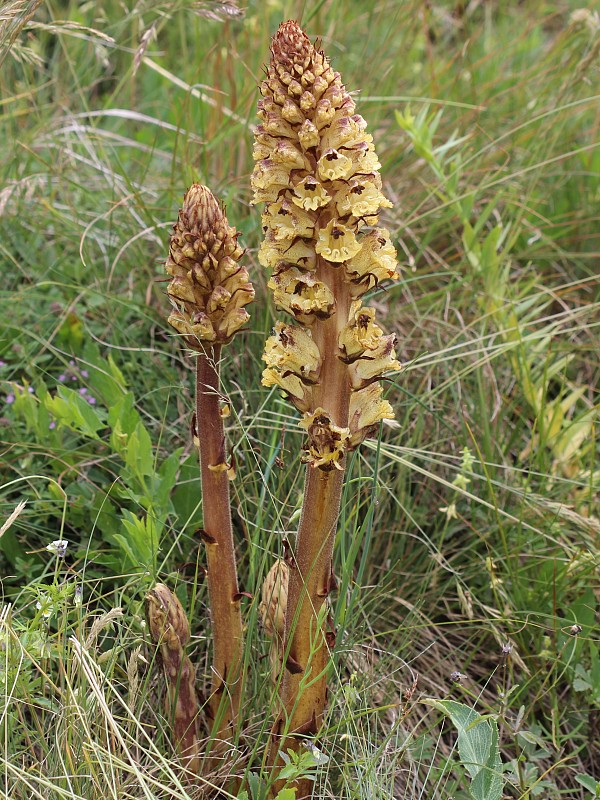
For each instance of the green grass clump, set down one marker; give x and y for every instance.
(469, 536)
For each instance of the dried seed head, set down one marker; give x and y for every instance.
(209, 288)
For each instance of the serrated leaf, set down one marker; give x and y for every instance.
(477, 748)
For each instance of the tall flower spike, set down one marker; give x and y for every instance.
(209, 288)
(317, 171)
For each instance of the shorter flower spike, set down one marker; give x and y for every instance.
(209, 288)
(272, 608)
(170, 631)
(274, 598)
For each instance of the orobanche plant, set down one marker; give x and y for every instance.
(209, 290)
(318, 174)
(317, 171)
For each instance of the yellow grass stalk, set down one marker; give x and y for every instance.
(317, 171)
(209, 291)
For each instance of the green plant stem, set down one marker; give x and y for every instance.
(223, 591)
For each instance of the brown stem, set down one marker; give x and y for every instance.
(304, 685)
(223, 591)
(305, 679)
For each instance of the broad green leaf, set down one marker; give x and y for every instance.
(123, 414)
(71, 409)
(477, 748)
(589, 783)
(139, 456)
(286, 794)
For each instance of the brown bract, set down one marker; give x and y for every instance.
(209, 288)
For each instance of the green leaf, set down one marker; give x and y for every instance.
(123, 414)
(105, 378)
(589, 783)
(139, 456)
(477, 748)
(165, 482)
(70, 409)
(140, 542)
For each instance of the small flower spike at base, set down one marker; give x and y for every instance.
(317, 172)
(170, 632)
(209, 290)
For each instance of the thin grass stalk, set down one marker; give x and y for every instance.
(209, 290)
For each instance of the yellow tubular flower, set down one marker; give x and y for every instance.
(367, 409)
(301, 294)
(327, 442)
(209, 288)
(362, 333)
(374, 362)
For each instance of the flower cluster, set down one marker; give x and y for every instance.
(317, 171)
(208, 289)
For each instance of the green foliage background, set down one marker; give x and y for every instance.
(469, 535)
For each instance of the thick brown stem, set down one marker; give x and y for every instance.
(223, 591)
(304, 684)
(305, 676)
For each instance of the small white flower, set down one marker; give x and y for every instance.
(78, 597)
(58, 547)
(44, 604)
(449, 511)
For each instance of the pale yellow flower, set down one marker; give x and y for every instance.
(291, 349)
(308, 134)
(327, 442)
(374, 363)
(287, 221)
(362, 332)
(301, 294)
(375, 262)
(309, 194)
(337, 242)
(367, 409)
(360, 198)
(334, 166)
